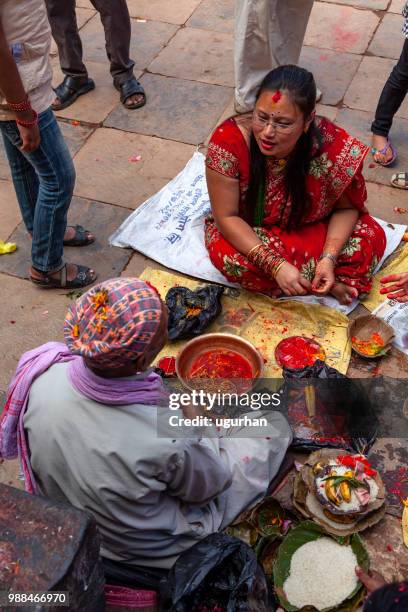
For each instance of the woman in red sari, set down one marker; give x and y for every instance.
(288, 197)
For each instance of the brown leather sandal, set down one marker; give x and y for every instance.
(84, 276)
(80, 238)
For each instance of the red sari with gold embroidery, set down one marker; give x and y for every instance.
(335, 169)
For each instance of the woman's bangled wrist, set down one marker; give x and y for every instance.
(265, 259)
(330, 256)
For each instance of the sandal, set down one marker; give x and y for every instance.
(383, 151)
(80, 238)
(70, 89)
(84, 276)
(400, 180)
(130, 88)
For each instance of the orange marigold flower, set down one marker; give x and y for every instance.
(99, 299)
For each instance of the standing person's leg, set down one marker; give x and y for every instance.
(64, 27)
(23, 175)
(116, 22)
(268, 33)
(47, 221)
(390, 100)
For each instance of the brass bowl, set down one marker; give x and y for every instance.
(212, 342)
(364, 326)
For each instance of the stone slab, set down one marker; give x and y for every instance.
(389, 456)
(95, 106)
(386, 549)
(9, 473)
(210, 57)
(101, 219)
(75, 135)
(375, 5)
(84, 4)
(83, 15)
(341, 28)
(217, 15)
(10, 215)
(382, 200)
(333, 71)
(47, 546)
(176, 109)
(396, 6)
(138, 263)
(388, 39)
(146, 42)
(30, 316)
(368, 83)
(327, 111)
(157, 10)
(105, 173)
(358, 123)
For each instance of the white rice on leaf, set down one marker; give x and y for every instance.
(322, 574)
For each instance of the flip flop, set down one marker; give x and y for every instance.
(400, 180)
(70, 89)
(131, 88)
(84, 276)
(80, 238)
(383, 151)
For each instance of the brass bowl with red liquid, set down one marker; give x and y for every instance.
(218, 343)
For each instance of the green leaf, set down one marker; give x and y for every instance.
(302, 534)
(353, 482)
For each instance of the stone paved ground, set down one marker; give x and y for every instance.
(183, 52)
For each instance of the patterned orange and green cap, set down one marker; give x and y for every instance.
(114, 322)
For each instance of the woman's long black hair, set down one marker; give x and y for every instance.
(301, 87)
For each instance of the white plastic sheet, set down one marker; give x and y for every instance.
(169, 228)
(395, 314)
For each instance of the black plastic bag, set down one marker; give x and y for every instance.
(191, 312)
(219, 574)
(343, 414)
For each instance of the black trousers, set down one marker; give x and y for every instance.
(115, 19)
(392, 95)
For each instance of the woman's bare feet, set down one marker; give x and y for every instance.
(379, 142)
(343, 293)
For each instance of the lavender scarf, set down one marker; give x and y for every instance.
(145, 388)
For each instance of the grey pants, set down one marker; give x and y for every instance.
(116, 22)
(268, 33)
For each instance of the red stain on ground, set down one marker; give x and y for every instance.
(323, 58)
(344, 39)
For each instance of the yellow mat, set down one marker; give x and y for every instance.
(400, 264)
(265, 322)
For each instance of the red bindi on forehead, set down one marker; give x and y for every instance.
(276, 97)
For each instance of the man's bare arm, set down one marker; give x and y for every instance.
(13, 90)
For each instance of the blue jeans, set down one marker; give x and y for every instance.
(44, 182)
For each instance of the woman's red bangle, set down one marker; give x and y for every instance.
(20, 107)
(28, 124)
